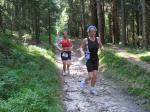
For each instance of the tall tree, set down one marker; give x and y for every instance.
(115, 23)
(123, 37)
(100, 20)
(93, 8)
(83, 19)
(145, 28)
(0, 18)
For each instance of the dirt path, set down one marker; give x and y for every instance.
(131, 57)
(110, 97)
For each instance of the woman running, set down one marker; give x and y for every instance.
(90, 46)
(66, 48)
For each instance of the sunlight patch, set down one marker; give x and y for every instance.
(35, 50)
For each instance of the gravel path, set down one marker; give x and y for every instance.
(110, 97)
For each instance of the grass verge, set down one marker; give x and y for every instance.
(142, 54)
(28, 81)
(145, 58)
(136, 78)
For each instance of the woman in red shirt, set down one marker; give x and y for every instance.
(66, 47)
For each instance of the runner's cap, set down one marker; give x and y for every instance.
(91, 28)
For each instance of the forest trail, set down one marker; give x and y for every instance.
(130, 57)
(111, 97)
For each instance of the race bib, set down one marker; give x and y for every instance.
(87, 56)
(65, 55)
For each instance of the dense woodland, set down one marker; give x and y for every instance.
(123, 22)
(33, 17)
(29, 79)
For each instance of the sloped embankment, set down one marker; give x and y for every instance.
(132, 76)
(28, 81)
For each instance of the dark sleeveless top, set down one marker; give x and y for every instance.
(92, 50)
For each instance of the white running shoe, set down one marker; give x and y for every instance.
(68, 72)
(83, 84)
(93, 91)
(64, 73)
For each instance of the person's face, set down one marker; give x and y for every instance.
(92, 33)
(65, 34)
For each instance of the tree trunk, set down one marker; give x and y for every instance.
(83, 19)
(37, 33)
(37, 15)
(133, 30)
(138, 23)
(123, 38)
(93, 19)
(49, 30)
(110, 27)
(103, 23)
(100, 20)
(145, 30)
(115, 23)
(1, 26)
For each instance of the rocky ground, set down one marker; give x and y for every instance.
(111, 97)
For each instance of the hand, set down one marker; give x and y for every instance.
(102, 48)
(77, 49)
(60, 49)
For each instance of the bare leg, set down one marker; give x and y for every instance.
(68, 64)
(64, 66)
(93, 78)
(93, 82)
(89, 77)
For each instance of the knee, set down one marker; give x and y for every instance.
(68, 62)
(93, 77)
(64, 63)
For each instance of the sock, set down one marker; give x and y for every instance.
(92, 88)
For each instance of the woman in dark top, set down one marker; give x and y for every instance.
(91, 46)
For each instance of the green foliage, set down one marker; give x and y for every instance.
(61, 24)
(142, 54)
(145, 58)
(29, 83)
(135, 51)
(136, 78)
(6, 39)
(45, 38)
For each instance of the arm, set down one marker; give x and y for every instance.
(100, 44)
(71, 42)
(82, 46)
(57, 44)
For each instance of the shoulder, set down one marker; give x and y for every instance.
(61, 40)
(85, 39)
(69, 40)
(98, 39)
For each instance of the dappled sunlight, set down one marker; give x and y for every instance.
(35, 78)
(135, 58)
(110, 97)
(127, 55)
(29, 78)
(35, 50)
(144, 54)
(27, 36)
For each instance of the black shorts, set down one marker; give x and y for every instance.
(66, 55)
(92, 65)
